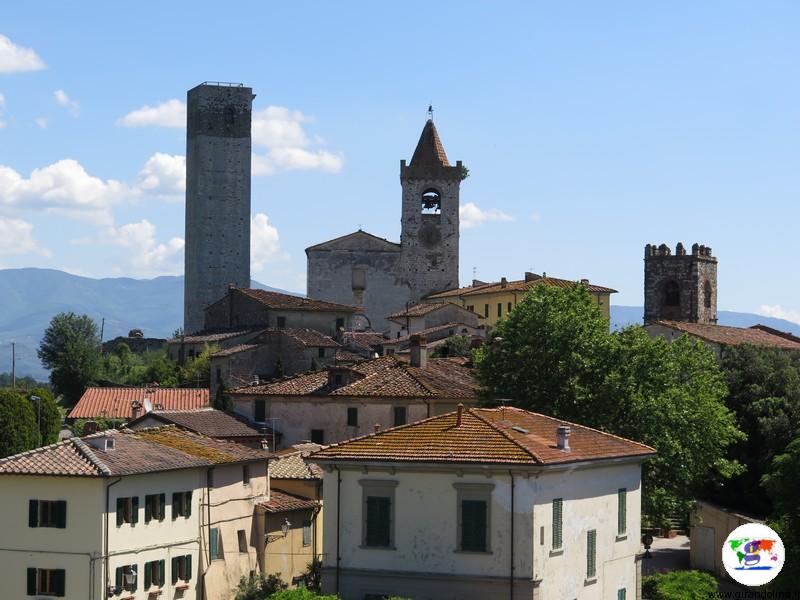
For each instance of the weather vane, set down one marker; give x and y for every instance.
(430, 111)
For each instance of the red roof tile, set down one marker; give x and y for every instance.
(206, 421)
(429, 151)
(489, 436)
(276, 300)
(115, 403)
(291, 463)
(517, 286)
(280, 501)
(732, 336)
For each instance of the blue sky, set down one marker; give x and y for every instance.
(589, 128)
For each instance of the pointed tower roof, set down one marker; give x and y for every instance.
(429, 152)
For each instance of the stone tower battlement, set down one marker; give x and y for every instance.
(218, 151)
(680, 286)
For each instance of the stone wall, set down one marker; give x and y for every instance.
(680, 286)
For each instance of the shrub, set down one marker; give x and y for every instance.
(299, 594)
(257, 587)
(679, 585)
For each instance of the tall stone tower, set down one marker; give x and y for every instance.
(680, 287)
(429, 224)
(218, 148)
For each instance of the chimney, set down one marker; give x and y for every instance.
(562, 437)
(585, 281)
(377, 427)
(89, 427)
(531, 276)
(419, 351)
(459, 413)
(136, 409)
(503, 282)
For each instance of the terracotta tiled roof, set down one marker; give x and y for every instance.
(429, 151)
(456, 327)
(420, 310)
(210, 337)
(291, 463)
(134, 452)
(234, 350)
(366, 339)
(517, 286)
(731, 336)
(784, 334)
(384, 377)
(343, 355)
(115, 403)
(279, 301)
(280, 502)
(310, 337)
(490, 436)
(206, 421)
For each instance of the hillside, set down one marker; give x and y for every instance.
(30, 297)
(622, 316)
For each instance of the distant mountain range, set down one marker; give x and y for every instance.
(29, 298)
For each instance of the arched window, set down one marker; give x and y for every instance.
(431, 202)
(672, 294)
(707, 294)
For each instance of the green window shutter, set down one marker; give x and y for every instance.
(162, 506)
(148, 510)
(176, 498)
(622, 511)
(31, 582)
(120, 512)
(591, 553)
(148, 575)
(379, 525)
(473, 525)
(621, 594)
(135, 510)
(61, 514)
(174, 569)
(188, 567)
(558, 505)
(188, 504)
(214, 543)
(60, 582)
(33, 514)
(135, 585)
(161, 573)
(118, 578)
(260, 411)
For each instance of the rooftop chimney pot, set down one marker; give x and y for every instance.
(459, 413)
(377, 427)
(585, 281)
(562, 438)
(503, 282)
(419, 351)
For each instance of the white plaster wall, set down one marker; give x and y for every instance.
(70, 549)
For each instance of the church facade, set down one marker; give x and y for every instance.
(382, 277)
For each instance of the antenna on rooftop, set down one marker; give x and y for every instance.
(474, 272)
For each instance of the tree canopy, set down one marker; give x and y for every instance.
(70, 348)
(18, 430)
(554, 354)
(48, 414)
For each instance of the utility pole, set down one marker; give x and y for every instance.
(102, 329)
(13, 365)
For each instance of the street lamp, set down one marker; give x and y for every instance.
(39, 408)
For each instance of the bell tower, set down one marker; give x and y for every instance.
(429, 224)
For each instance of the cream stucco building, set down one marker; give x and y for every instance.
(136, 515)
(483, 503)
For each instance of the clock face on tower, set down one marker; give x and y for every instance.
(429, 235)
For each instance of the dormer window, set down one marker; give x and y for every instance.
(431, 202)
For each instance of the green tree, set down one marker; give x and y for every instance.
(18, 431)
(70, 348)
(197, 371)
(49, 414)
(455, 345)
(556, 356)
(783, 487)
(221, 399)
(259, 587)
(679, 585)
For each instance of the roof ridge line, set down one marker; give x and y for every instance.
(88, 454)
(530, 452)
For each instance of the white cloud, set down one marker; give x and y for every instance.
(286, 159)
(2, 102)
(171, 113)
(64, 100)
(147, 257)
(14, 59)
(264, 243)
(777, 311)
(536, 217)
(41, 122)
(164, 175)
(16, 237)
(470, 215)
(62, 188)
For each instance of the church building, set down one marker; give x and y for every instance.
(382, 277)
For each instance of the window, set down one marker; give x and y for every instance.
(622, 511)
(378, 513)
(127, 510)
(499, 309)
(318, 436)
(281, 322)
(672, 294)
(307, 533)
(241, 535)
(154, 505)
(47, 513)
(558, 505)
(260, 411)
(509, 307)
(181, 568)
(591, 554)
(707, 294)
(215, 545)
(51, 582)
(245, 474)
(622, 593)
(389, 351)
(400, 415)
(219, 375)
(471, 307)
(486, 310)
(431, 202)
(126, 578)
(352, 417)
(321, 352)
(181, 505)
(153, 573)
(339, 323)
(473, 516)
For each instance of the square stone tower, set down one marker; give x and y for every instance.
(218, 149)
(680, 287)
(429, 223)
